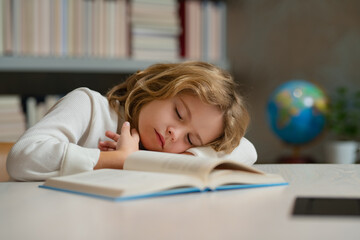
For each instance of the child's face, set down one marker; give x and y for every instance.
(179, 123)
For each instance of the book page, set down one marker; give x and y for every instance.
(226, 177)
(169, 163)
(120, 183)
(233, 165)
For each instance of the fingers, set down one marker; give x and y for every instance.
(112, 135)
(127, 134)
(107, 145)
(125, 129)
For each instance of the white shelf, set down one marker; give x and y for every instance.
(53, 64)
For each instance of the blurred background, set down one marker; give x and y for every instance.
(49, 47)
(274, 41)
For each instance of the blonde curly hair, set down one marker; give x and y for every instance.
(162, 81)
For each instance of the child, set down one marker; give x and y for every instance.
(186, 107)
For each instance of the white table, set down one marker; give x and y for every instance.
(29, 212)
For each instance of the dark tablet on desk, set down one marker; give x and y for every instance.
(316, 206)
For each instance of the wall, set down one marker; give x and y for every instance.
(273, 41)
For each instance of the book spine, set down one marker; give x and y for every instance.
(182, 35)
(64, 31)
(2, 36)
(8, 27)
(205, 30)
(12, 119)
(112, 28)
(70, 28)
(87, 28)
(77, 28)
(45, 28)
(223, 24)
(16, 33)
(56, 28)
(37, 107)
(101, 29)
(36, 28)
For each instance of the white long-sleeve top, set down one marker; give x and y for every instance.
(66, 140)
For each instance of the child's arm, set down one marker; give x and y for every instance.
(126, 143)
(65, 140)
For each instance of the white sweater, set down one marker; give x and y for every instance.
(65, 141)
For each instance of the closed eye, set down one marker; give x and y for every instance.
(178, 114)
(189, 140)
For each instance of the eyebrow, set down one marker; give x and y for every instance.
(189, 114)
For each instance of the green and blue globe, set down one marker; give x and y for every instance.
(297, 111)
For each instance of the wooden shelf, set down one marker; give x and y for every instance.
(86, 65)
(50, 75)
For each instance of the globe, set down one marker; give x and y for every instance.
(296, 112)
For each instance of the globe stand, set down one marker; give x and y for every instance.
(296, 157)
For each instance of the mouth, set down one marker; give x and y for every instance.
(160, 138)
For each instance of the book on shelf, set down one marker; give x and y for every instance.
(2, 29)
(151, 174)
(37, 107)
(17, 113)
(112, 29)
(155, 30)
(155, 55)
(204, 29)
(72, 28)
(7, 27)
(191, 22)
(212, 30)
(12, 118)
(155, 42)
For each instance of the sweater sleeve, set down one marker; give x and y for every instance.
(50, 148)
(245, 152)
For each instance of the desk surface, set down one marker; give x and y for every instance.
(28, 212)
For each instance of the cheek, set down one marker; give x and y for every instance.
(144, 128)
(177, 148)
(147, 139)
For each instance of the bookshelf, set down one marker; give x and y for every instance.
(31, 62)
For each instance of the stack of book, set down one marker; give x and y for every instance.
(12, 118)
(36, 108)
(71, 28)
(141, 29)
(155, 29)
(203, 30)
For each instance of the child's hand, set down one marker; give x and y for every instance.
(131, 139)
(114, 153)
(128, 141)
(109, 145)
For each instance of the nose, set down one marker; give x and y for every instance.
(173, 133)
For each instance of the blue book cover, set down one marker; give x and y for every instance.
(169, 192)
(152, 174)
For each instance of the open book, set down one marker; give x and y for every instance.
(148, 174)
